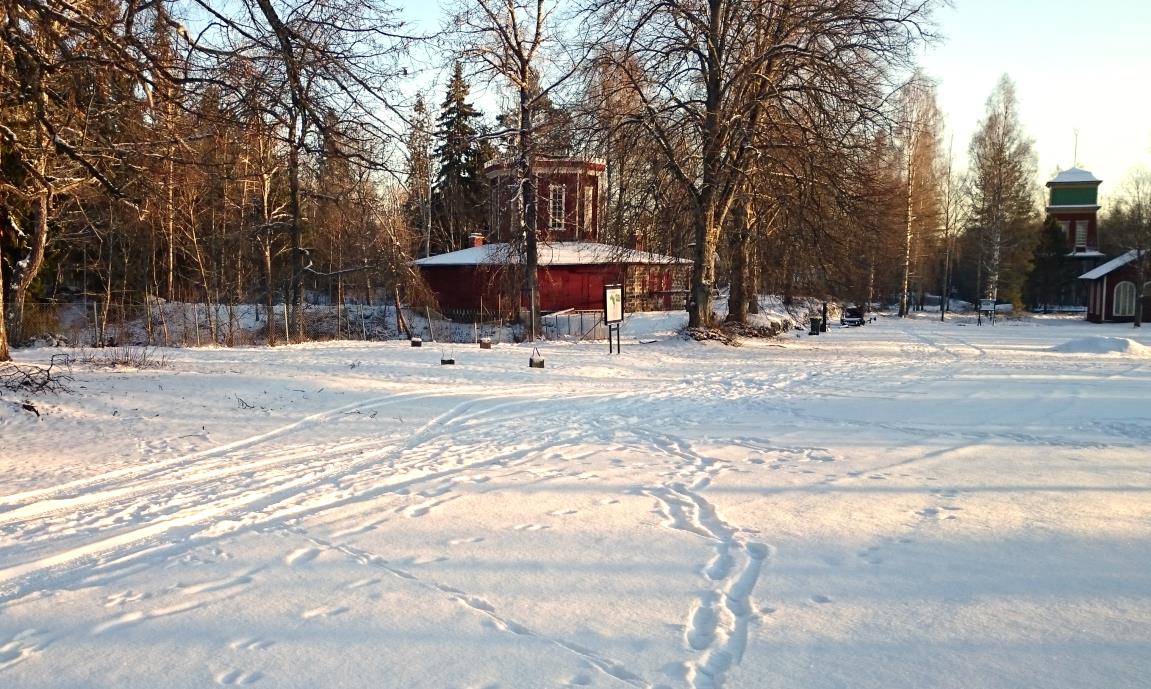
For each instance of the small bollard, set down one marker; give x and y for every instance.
(417, 342)
(816, 322)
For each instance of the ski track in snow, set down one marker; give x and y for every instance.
(96, 530)
(107, 521)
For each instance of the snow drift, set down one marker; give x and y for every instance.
(1103, 345)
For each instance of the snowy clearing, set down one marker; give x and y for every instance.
(904, 505)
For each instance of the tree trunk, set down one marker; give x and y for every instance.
(703, 276)
(945, 291)
(529, 214)
(296, 134)
(5, 355)
(269, 291)
(906, 282)
(28, 268)
(401, 322)
(737, 301)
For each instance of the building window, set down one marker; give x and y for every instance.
(1080, 234)
(1124, 299)
(589, 210)
(556, 207)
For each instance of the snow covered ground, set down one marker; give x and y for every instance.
(904, 505)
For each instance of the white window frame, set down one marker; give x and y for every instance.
(1124, 303)
(1081, 227)
(556, 220)
(589, 210)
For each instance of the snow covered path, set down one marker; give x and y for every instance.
(908, 504)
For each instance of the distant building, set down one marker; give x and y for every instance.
(484, 280)
(1113, 291)
(1073, 203)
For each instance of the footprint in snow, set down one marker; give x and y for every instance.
(233, 678)
(821, 599)
(530, 527)
(301, 556)
(246, 644)
(326, 611)
(465, 541)
(562, 513)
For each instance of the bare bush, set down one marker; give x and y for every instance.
(127, 356)
(33, 379)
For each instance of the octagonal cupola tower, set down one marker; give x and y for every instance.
(1073, 202)
(567, 198)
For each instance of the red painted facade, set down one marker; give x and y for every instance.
(1102, 295)
(467, 291)
(1071, 217)
(571, 186)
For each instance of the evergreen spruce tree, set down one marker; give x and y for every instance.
(1053, 269)
(459, 199)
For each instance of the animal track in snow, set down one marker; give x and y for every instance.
(21, 647)
(324, 611)
(465, 541)
(301, 556)
(238, 678)
(421, 509)
(247, 644)
(530, 527)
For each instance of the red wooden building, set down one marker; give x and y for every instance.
(485, 279)
(1113, 290)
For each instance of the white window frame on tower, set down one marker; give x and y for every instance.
(1081, 234)
(556, 206)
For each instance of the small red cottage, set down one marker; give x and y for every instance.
(1113, 290)
(485, 280)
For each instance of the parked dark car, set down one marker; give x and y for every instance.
(852, 315)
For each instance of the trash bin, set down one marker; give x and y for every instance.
(816, 323)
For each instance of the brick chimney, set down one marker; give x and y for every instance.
(475, 239)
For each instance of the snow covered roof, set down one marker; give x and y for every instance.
(551, 254)
(1110, 266)
(1073, 207)
(1074, 176)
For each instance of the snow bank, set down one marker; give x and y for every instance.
(1103, 345)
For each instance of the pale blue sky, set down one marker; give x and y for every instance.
(1076, 65)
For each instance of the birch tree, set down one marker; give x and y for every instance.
(1002, 197)
(919, 127)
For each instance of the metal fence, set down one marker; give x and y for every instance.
(96, 323)
(574, 325)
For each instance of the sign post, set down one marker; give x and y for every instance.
(986, 306)
(613, 315)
